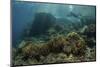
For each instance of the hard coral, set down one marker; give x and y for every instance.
(56, 44)
(76, 44)
(29, 51)
(72, 44)
(43, 49)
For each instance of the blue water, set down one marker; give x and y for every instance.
(23, 15)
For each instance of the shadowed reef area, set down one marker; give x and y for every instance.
(56, 40)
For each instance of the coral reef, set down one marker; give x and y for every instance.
(77, 43)
(56, 43)
(90, 31)
(69, 48)
(89, 34)
(49, 42)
